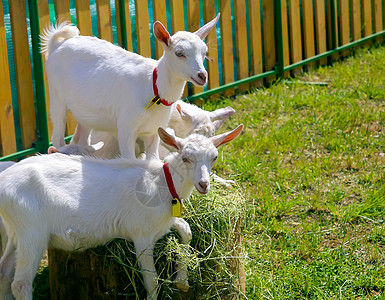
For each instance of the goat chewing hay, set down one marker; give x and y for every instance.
(212, 219)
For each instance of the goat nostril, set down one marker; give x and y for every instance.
(202, 76)
(203, 185)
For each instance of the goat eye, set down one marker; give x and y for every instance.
(179, 54)
(185, 160)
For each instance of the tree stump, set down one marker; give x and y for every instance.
(82, 275)
(101, 274)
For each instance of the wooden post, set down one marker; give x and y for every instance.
(255, 41)
(193, 17)
(377, 17)
(269, 43)
(333, 35)
(320, 27)
(241, 43)
(285, 36)
(237, 263)
(177, 21)
(211, 40)
(23, 72)
(355, 19)
(44, 21)
(7, 127)
(160, 14)
(103, 10)
(295, 34)
(308, 30)
(344, 25)
(142, 28)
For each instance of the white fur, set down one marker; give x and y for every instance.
(188, 118)
(107, 88)
(70, 149)
(185, 119)
(75, 202)
(5, 165)
(75, 149)
(3, 234)
(62, 32)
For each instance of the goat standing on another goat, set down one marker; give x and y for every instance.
(74, 202)
(107, 88)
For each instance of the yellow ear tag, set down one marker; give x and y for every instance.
(153, 101)
(176, 208)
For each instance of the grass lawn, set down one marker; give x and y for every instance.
(311, 167)
(310, 173)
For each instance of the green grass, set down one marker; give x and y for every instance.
(311, 164)
(310, 194)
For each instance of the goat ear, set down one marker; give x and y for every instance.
(161, 33)
(183, 113)
(95, 147)
(218, 123)
(52, 149)
(205, 29)
(226, 137)
(221, 114)
(170, 139)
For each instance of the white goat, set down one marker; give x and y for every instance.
(107, 88)
(75, 202)
(75, 149)
(70, 149)
(185, 119)
(188, 118)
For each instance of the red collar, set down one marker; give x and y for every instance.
(176, 203)
(157, 99)
(170, 183)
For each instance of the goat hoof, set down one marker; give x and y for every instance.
(229, 183)
(182, 286)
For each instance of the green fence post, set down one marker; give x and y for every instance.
(280, 63)
(42, 123)
(122, 20)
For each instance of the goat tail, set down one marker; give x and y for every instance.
(53, 37)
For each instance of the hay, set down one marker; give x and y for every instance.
(213, 257)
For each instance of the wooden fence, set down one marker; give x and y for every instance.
(256, 40)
